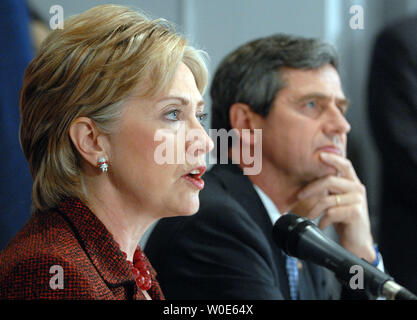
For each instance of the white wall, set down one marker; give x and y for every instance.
(221, 26)
(169, 9)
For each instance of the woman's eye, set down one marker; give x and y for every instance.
(343, 109)
(202, 117)
(172, 115)
(311, 104)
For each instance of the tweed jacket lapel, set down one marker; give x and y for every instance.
(101, 248)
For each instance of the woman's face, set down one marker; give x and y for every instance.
(157, 144)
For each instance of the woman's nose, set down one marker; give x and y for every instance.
(198, 142)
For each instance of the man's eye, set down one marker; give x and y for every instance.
(311, 108)
(202, 117)
(172, 115)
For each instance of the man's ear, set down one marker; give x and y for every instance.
(87, 139)
(242, 117)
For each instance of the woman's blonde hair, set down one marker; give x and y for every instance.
(89, 68)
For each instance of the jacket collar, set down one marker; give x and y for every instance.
(97, 241)
(241, 188)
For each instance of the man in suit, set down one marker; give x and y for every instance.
(289, 88)
(393, 118)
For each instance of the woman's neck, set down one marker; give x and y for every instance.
(121, 216)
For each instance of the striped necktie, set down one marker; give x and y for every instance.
(292, 271)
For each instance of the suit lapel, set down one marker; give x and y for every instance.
(241, 189)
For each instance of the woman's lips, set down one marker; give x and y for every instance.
(194, 176)
(196, 181)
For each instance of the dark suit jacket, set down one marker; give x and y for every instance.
(73, 238)
(393, 119)
(226, 250)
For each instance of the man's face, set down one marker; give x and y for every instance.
(306, 118)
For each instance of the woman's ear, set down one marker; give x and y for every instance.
(87, 140)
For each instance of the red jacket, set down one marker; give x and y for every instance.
(67, 253)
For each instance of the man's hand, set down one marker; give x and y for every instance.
(342, 199)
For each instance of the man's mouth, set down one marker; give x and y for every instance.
(331, 149)
(336, 146)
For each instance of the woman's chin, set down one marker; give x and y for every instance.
(187, 207)
(191, 208)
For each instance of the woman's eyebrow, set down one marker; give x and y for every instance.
(182, 100)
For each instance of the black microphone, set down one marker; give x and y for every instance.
(300, 237)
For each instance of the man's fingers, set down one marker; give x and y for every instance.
(341, 164)
(328, 185)
(333, 201)
(335, 215)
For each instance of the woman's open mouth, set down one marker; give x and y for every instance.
(194, 177)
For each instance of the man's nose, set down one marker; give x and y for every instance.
(336, 122)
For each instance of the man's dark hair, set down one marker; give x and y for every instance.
(252, 74)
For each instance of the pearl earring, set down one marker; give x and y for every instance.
(103, 164)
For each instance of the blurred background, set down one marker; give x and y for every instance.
(218, 27)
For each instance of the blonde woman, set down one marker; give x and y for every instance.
(92, 102)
